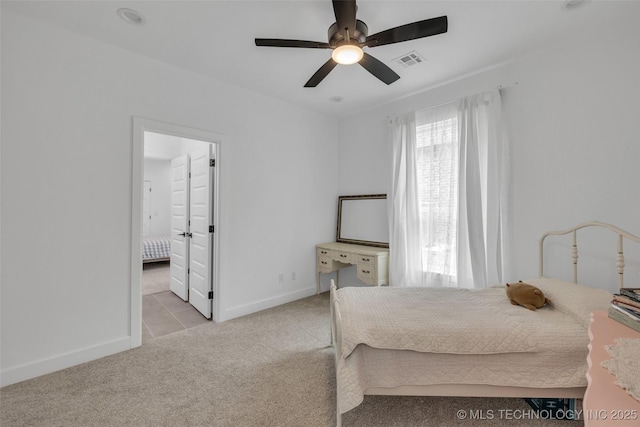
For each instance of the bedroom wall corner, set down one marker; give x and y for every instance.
(573, 136)
(67, 130)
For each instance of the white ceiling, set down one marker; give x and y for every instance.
(216, 38)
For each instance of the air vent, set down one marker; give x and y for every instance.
(410, 59)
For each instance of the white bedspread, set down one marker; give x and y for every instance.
(458, 321)
(461, 337)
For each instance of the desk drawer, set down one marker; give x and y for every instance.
(367, 274)
(368, 269)
(344, 257)
(323, 252)
(367, 260)
(325, 264)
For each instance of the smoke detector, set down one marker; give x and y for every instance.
(131, 16)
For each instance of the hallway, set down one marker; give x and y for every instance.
(162, 311)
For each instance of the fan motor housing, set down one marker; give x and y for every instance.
(336, 37)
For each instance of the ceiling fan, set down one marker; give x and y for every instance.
(348, 35)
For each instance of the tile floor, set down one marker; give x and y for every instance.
(164, 313)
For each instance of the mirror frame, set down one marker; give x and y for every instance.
(341, 239)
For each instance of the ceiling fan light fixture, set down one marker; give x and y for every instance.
(348, 35)
(347, 54)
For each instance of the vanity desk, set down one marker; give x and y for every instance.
(362, 238)
(372, 263)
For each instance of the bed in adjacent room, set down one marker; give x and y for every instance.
(458, 342)
(156, 248)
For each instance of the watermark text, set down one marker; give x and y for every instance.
(545, 414)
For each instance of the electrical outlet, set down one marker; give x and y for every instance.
(293, 275)
(281, 277)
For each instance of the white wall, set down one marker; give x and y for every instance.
(575, 135)
(158, 172)
(67, 108)
(159, 150)
(188, 145)
(160, 146)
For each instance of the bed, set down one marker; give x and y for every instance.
(155, 249)
(455, 342)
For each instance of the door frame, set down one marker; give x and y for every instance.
(140, 126)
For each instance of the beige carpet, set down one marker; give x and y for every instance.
(272, 368)
(155, 277)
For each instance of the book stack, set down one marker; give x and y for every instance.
(625, 307)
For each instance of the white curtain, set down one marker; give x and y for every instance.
(483, 253)
(449, 199)
(405, 260)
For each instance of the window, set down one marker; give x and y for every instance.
(437, 175)
(448, 211)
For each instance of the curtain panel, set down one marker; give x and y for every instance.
(449, 197)
(405, 260)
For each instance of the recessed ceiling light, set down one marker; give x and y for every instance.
(131, 16)
(573, 4)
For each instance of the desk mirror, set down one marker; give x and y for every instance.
(362, 220)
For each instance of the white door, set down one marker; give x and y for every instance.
(201, 230)
(179, 281)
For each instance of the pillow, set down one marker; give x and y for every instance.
(575, 300)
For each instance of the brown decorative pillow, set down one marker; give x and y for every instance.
(526, 295)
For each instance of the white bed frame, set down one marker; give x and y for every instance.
(476, 390)
(574, 248)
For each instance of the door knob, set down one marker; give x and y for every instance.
(185, 234)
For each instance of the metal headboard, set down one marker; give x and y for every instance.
(574, 249)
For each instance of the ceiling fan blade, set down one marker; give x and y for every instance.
(378, 69)
(321, 73)
(292, 43)
(415, 30)
(345, 12)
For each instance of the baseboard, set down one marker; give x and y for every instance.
(52, 364)
(254, 307)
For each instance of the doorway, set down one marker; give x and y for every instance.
(171, 141)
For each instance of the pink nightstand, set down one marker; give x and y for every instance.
(606, 404)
